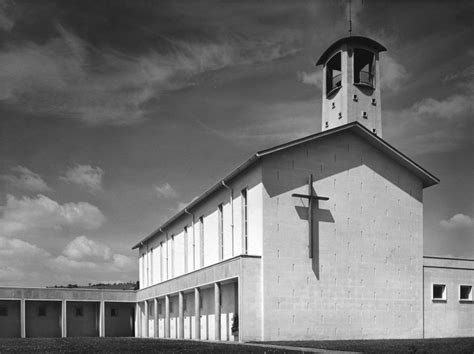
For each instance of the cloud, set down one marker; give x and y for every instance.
(20, 261)
(434, 124)
(392, 74)
(86, 176)
(314, 78)
(82, 261)
(84, 254)
(82, 248)
(66, 76)
(6, 22)
(30, 216)
(459, 222)
(23, 178)
(165, 190)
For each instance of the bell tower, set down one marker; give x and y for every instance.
(351, 84)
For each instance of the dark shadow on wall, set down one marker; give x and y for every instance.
(318, 216)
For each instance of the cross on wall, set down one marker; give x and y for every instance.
(310, 197)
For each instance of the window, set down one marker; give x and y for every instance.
(201, 240)
(171, 306)
(245, 220)
(3, 311)
(364, 68)
(333, 73)
(439, 291)
(172, 256)
(221, 231)
(465, 292)
(42, 311)
(186, 240)
(143, 270)
(79, 311)
(162, 261)
(113, 312)
(150, 280)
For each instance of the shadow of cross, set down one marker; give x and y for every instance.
(313, 215)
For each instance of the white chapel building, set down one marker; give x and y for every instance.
(317, 238)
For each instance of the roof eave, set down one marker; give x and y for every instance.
(203, 196)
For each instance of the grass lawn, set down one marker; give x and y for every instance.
(121, 345)
(443, 345)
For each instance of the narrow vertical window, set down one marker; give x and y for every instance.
(201, 241)
(186, 249)
(150, 281)
(161, 261)
(221, 231)
(245, 220)
(172, 256)
(143, 270)
(167, 254)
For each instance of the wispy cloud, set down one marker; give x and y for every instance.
(393, 74)
(165, 190)
(82, 260)
(434, 125)
(459, 222)
(313, 78)
(6, 22)
(86, 176)
(23, 178)
(33, 216)
(69, 77)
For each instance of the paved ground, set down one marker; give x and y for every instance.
(142, 345)
(441, 345)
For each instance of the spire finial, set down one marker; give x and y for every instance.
(350, 18)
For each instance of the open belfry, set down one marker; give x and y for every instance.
(316, 238)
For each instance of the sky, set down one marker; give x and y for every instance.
(115, 114)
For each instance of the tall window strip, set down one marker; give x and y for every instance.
(201, 241)
(151, 266)
(167, 254)
(161, 261)
(244, 221)
(143, 271)
(172, 256)
(186, 240)
(221, 231)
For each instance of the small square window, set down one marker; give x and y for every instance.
(79, 311)
(465, 292)
(3, 311)
(113, 312)
(42, 311)
(439, 291)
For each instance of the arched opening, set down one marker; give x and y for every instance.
(333, 73)
(364, 67)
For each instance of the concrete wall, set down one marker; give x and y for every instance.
(119, 319)
(82, 318)
(179, 252)
(451, 317)
(364, 280)
(43, 318)
(10, 322)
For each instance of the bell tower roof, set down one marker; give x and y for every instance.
(353, 41)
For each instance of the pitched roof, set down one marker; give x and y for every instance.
(427, 178)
